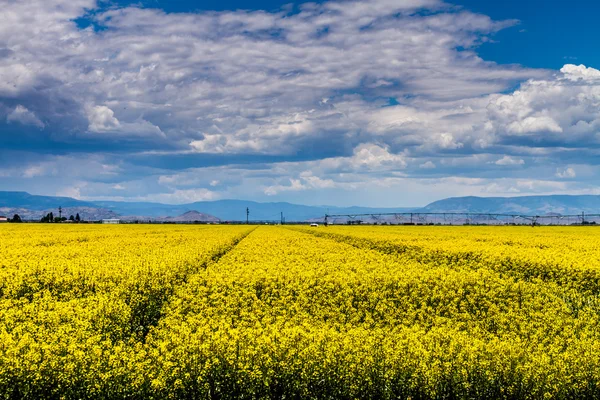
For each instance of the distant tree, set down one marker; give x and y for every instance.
(47, 218)
(51, 217)
(16, 218)
(72, 218)
(77, 218)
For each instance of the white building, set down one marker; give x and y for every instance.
(3, 218)
(111, 221)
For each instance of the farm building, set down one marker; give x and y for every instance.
(111, 221)
(3, 218)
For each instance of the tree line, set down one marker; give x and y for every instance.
(16, 218)
(50, 218)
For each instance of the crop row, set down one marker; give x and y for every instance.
(565, 256)
(281, 313)
(287, 313)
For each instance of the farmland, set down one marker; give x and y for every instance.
(167, 311)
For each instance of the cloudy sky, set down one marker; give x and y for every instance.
(375, 103)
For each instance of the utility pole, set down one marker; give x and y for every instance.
(247, 215)
(60, 213)
(583, 218)
(282, 221)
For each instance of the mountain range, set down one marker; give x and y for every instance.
(33, 207)
(525, 205)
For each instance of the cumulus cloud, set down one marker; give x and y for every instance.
(580, 72)
(534, 125)
(427, 165)
(181, 196)
(22, 115)
(562, 110)
(102, 119)
(373, 156)
(243, 81)
(566, 173)
(508, 160)
(331, 97)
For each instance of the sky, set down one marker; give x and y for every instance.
(386, 103)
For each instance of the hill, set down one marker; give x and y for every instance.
(33, 207)
(28, 201)
(191, 216)
(527, 205)
(235, 210)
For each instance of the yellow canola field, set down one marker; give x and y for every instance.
(288, 312)
(567, 255)
(77, 301)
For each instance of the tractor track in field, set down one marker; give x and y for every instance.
(148, 303)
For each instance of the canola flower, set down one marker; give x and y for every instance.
(287, 312)
(567, 255)
(76, 302)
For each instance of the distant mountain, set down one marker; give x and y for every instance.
(33, 207)
(34, 202)
(525, 205)
(226, 210)
(235, 210)
(192, 216)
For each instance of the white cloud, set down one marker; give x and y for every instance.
(566, 173)
(508, 160)
(373, 156)
(225, 83)
(71, 191)
(295, 185)
(380, 84)
(534, 125)
(181, 196)
(22, 115)
(305, 181)
(561, 109)
(38, 170)
(102, 119)
(580, 72)
(68, 168)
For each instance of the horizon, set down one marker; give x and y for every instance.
(381, 103)
(92, 200)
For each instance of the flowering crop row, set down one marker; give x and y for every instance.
(565, 255)
(77, 302)
(282, 313)
(290, 313)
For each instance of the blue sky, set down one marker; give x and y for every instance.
(380, 102)
(547, 35)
